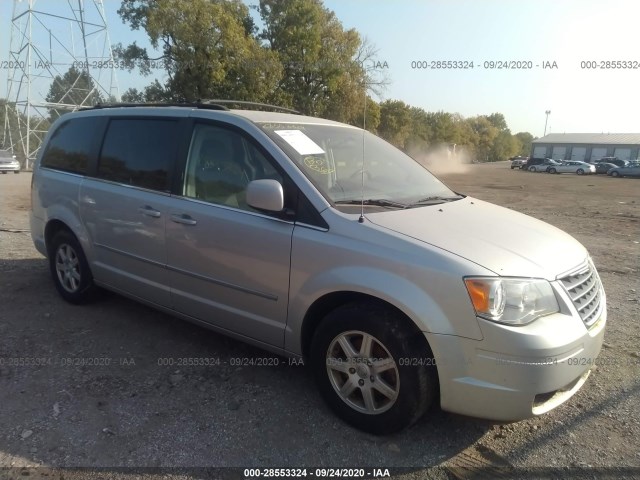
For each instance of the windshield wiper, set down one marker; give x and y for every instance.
(434, 200)
(376, 202)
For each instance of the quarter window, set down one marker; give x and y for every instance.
(139, 152)
(70, 145)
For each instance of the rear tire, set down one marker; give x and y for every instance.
(374, 370)
(69, 269)
(580, 171)
(532, 168)
(552, 170)
(615, 174)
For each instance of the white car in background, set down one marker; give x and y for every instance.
(581, 168)
(8, 162)
(544, 166)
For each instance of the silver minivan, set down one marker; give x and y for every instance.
(318, 240)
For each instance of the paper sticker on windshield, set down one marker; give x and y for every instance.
(318, 164)
(300, 142)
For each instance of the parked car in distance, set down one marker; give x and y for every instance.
(534, 161)
(613, 160)
(632, 170)
(8, 162)
(573, 166)
(320, 241)
(544, 166)
(518, 162)
(604, 167)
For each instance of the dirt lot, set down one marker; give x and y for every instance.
(130, 411)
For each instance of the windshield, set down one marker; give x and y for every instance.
(332, 157)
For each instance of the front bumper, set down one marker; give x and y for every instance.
(516, 372)
(9, 168)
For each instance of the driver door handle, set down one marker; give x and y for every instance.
(151, 212)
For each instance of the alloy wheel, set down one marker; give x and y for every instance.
(68, 268)
(363, 372)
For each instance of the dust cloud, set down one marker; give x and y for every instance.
(443, 160)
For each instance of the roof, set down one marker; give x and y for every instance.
(592, 138)
(273, 114)
(277, 117)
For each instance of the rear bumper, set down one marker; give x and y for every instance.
(36, 226)
(516, 373)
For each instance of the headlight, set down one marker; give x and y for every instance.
(513, 301)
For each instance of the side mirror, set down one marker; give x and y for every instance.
(266, 195)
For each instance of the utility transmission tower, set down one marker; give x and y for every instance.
(60, 59)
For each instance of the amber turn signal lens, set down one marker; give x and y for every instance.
(479, 293)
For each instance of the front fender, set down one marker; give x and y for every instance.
(412, 299)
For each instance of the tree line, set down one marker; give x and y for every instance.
(300, 57)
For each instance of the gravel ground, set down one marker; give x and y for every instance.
(121, 409)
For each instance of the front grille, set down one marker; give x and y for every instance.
(585, 290)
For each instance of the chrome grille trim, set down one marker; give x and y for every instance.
(584, 288)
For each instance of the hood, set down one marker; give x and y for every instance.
(502, 240)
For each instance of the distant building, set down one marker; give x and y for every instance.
(587, 147)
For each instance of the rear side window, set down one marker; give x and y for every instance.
(139, 152)
(70, 144)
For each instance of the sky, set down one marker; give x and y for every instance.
(560, 34)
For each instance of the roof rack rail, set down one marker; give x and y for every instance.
(248, 104)
(204, 106)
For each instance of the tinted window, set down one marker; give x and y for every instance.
(221, 164)
(139, 152)
(70, 144)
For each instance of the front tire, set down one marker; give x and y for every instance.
(532, 168)
(615, 174)
(70, 269)
(580, 171)
(374, 370)
(552, 170)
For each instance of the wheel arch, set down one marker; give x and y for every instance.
(52, 228)
(62, 217)
(321, 307)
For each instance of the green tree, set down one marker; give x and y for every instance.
(74, 88)
(155, 92)
(504, 146)
(420, 131)
(373, 116)
(525, 139)
(208, 51)
(322, 72)
(498, 121)
(441, 127)
(485, 133)
(395, 122)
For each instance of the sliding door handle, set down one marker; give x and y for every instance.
(183, 218)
